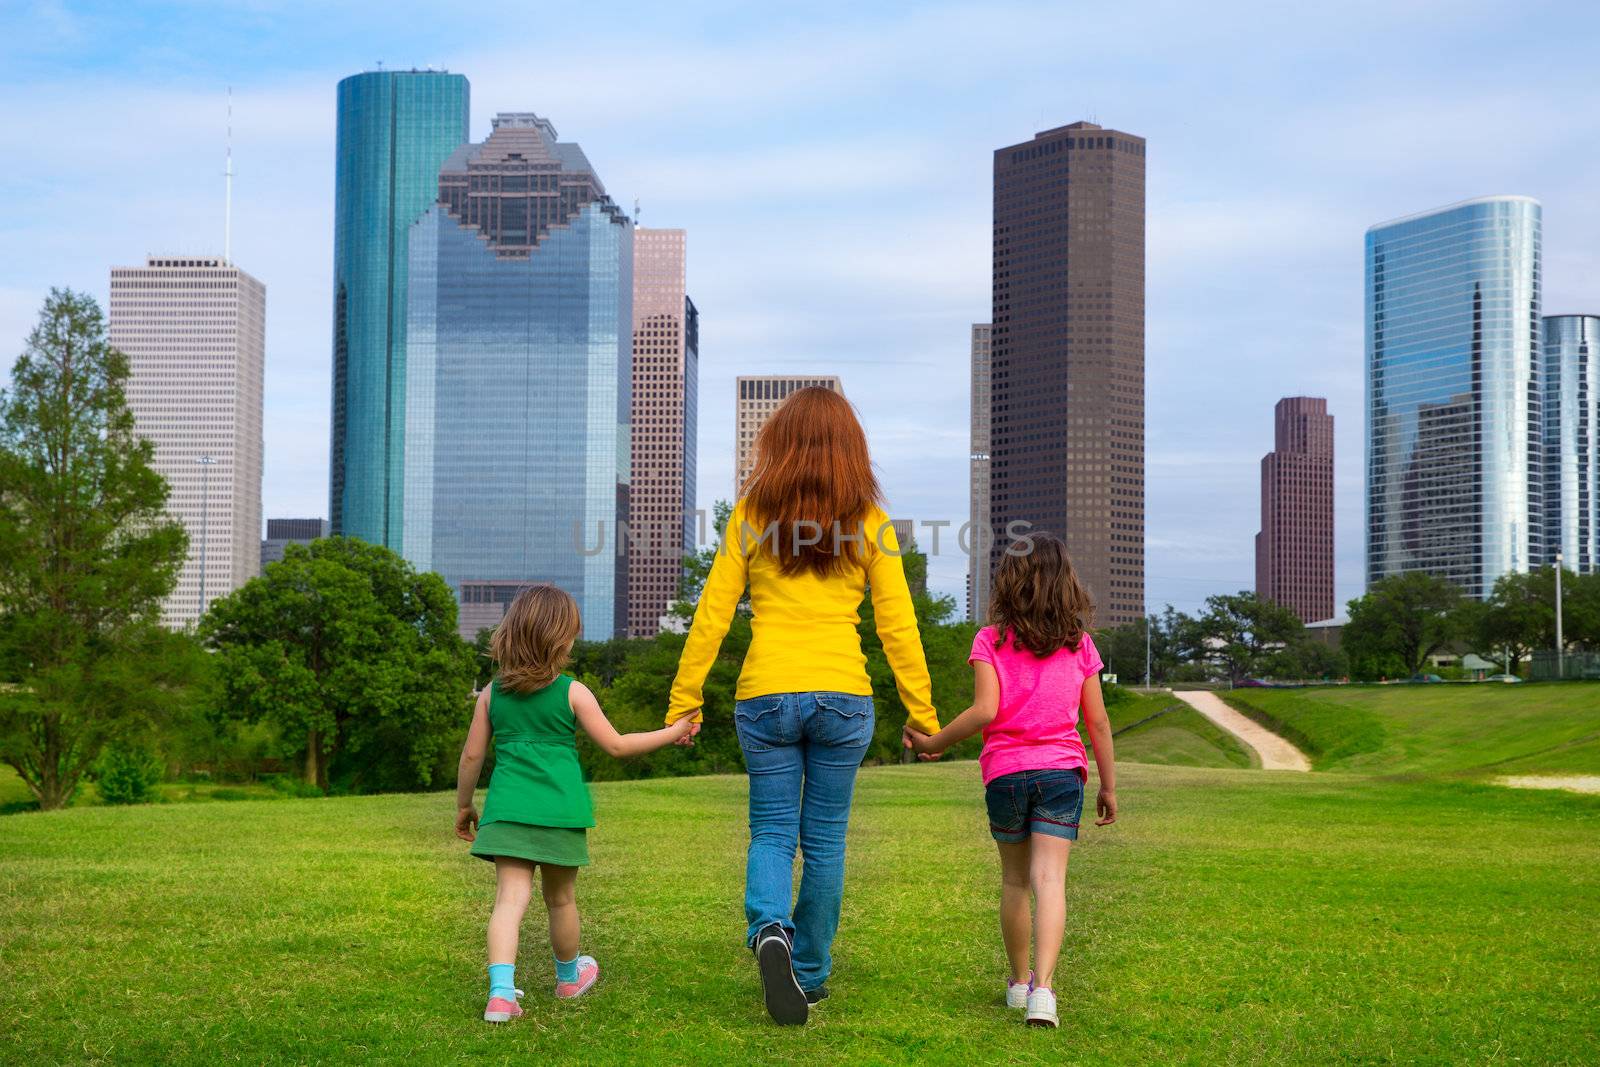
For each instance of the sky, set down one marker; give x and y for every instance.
(831, 164)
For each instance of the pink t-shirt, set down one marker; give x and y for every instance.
(1036, 728)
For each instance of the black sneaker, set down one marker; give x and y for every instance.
(814, 995)
(786, 1001)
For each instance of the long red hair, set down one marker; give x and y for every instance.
(812, 476)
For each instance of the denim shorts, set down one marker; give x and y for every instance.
(1034, 802)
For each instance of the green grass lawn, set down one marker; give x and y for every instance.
(1230, 917)
(1475, 730)
(15, 795)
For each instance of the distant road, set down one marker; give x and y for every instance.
(1276, 754)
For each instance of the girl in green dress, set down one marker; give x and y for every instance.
(537, 813)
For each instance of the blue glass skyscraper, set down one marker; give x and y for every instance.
(1572, 441)
(1454, 450)
(395, 129)
(519, 348)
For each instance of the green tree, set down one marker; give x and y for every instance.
(1172, 641)
(1519, 616)
(1399, 622)
(86, 555)
(1244, 631)
(354, 657)
(1580, 597)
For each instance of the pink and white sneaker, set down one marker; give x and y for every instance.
(1017, 992)
(588, 973)
(501, 1010)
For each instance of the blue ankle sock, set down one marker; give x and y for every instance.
(567, 971)
(503, 981)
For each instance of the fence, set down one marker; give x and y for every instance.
(1542, 666)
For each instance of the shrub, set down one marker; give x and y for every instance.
(128, 774)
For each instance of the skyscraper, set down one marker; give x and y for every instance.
(519, 353)
(1067, 354)
(979, 532)
(1571, 418)
(666, 381)
(194, 331)
(758, 397)
(1454, 441)
(395, 128)
(1294, 550)
(281, 533)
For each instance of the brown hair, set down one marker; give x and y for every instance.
(1038, 600)
(533, 641)
(812, 473)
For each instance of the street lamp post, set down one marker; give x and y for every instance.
(1147, 650)
(206, 463)
(1561, 658)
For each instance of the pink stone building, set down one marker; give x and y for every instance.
(1294, 550)
(666, 359)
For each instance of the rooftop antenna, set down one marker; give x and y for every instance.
(636, 211)
(227, 179)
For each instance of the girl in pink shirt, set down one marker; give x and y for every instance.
(1036, 673)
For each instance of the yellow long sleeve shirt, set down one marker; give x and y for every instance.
(804, 635)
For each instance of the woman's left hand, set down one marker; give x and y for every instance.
(909, 738)
(687, 739)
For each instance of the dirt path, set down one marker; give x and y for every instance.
(1578, 783)
(1276, 754)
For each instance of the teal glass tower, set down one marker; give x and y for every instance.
(1454, 436)
(395, 129)
(519, 360)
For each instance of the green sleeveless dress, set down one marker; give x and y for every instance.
(538, 807)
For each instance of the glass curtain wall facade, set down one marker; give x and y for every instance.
(1572, 441)
(519, 353)
(395, 128)
(1454, 440)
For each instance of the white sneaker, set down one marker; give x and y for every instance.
(1042, 1008)
(1017, 993)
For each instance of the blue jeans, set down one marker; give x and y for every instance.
(802, 751)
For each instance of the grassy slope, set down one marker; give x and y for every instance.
(1230, 917)
(1162, 729)
(1438, 729)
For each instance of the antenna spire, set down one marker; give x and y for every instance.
(636, 211)
(227, 178)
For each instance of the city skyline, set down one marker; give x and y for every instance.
(1247, 245)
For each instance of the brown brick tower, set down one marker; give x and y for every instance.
(1067, 353)
(1294, 550)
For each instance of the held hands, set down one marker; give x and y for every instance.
(467, 823)
(1105, 806)
(684, 731)
(920, 743)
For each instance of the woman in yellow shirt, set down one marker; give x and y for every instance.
(810, 538)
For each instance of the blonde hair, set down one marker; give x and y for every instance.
(534, 640)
